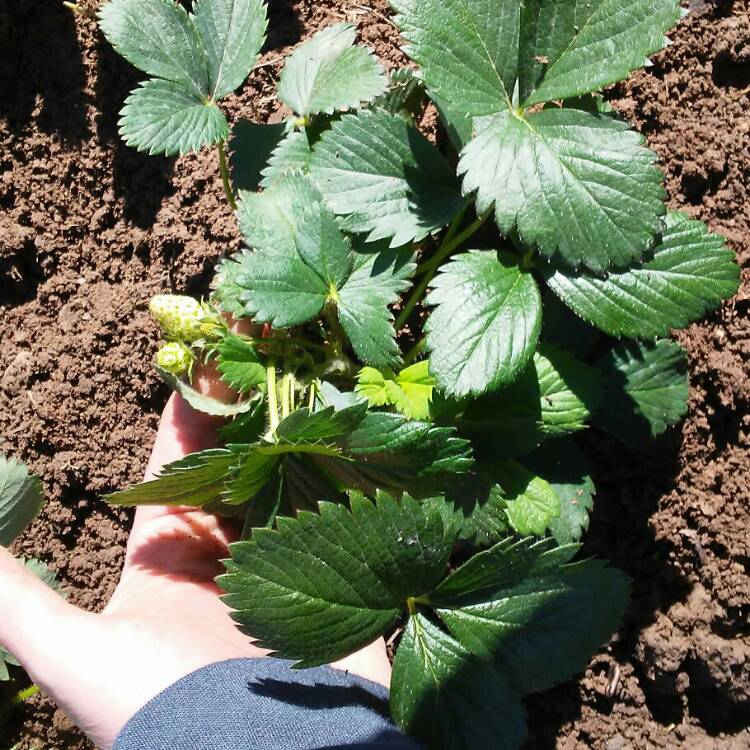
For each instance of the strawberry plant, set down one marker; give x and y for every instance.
(434, 324)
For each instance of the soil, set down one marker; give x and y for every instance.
(89, 230)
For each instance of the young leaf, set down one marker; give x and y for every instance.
(250, 148)
(239, 364)
(200, 402)
(384, 177)
(196, 479)
(161, 117)
(690, 272)
(485, 325)
(324, 585)
(328, 73)
(521, 627)
(531, 503)
(560, 463)
(405, 95)
(646, 390)
(363, 303)
(159, 38)
(20, 499)
(410, 391)
(449, 699)
(232, 33)
(575, 184)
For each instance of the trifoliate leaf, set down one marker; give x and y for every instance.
(200, 402)
(392, 453)
(291, 285)
(555, 395)
(646, 390)
(324, 585)
(561, 464)
(268, 220)
(161, 117)
(239, 364)
(196, 479)
(690, 272)
(410, 391)
(405, 94)
(250, 147)
(570, 48)
(292, 154)
(20, 499)
(328, 73)
(530, 501)
(484, 57)
(446, 698)
(384, 177)
(363, 303)
(521, 627)
(232, 33)
(159, 38)
(485, 325)
(575, 184)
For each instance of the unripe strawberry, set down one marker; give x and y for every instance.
(174, 357)
(181, 318)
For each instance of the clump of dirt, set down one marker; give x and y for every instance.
(89, 230)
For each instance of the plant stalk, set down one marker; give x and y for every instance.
(224, 171)
(450, 242)
(273, 402)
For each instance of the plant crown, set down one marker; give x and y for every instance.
(420, 473)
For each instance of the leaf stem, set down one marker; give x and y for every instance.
(311, 399)
(450, 242)
(224, 171)
(337, 337)
(415, 351)
(285, 403)
(273, 403)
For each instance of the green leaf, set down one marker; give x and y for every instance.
(531, 503)
(391, 453)
(646, 390)
(322, 586)
(561, 464)
(159, 38)
(521, 628)
(486, 321)
(690, 272)
(268, 220)
(291, 285)
(485, 56)
(576, 184)
(328, 73)
(196, 479)
(410, 391)
(323, 425)
(161, 117)
(363, 303)
(446, 698)
(198, 401)
(554, 396)
(563, 328)
(232, 32)
(21, 499)
(571, 48)
(467, 49)
(292, 154)
(250, 147)
(247, 427)
(250, 473)
(405, 94)
(226, 290)
(239, 364)
(384, 177)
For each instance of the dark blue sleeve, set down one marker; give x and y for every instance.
(244, 704)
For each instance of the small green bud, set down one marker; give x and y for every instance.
(174, 357)
(181, 318)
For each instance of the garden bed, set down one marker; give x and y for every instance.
(90, 229)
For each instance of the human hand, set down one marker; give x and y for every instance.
(165, 618)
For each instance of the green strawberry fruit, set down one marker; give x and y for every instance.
(174, 357)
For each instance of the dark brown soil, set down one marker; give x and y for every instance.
(90, 229)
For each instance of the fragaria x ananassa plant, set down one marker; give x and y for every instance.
(419, 476)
